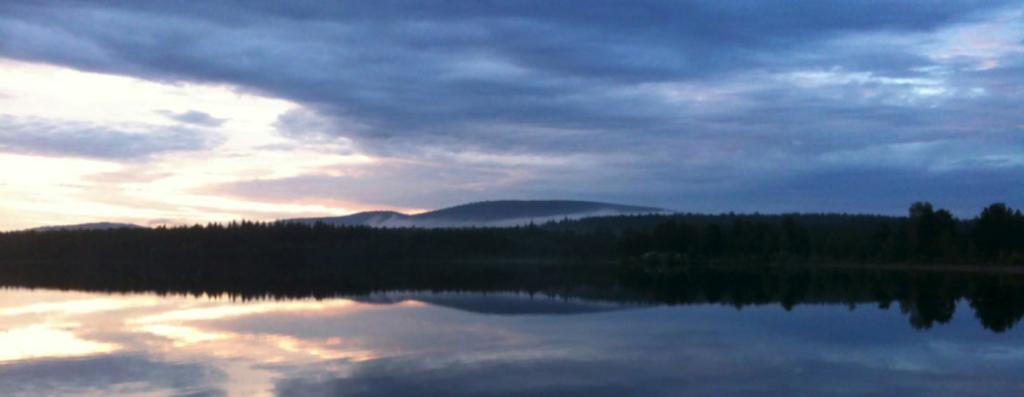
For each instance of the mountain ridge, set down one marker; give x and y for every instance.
(494, 213)
(85, 226)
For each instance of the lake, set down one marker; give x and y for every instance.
(490, 344)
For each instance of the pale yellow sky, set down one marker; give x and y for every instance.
(163, 187)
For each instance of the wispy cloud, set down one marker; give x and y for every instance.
(194, 117)
(70, 138)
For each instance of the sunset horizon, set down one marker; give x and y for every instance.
(466, 198)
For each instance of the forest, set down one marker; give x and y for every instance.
(281, 252)
(736, 259)
(925, 236)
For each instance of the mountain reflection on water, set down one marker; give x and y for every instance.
(498, 344)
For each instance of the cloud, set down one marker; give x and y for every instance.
(545, 378)
(194, 117)
(709, 95)
(80, 139)
(964, 188)
(434, 73)
(690, 372)
(965, 191)
(409, 185)
(129, 373)
(659, 351)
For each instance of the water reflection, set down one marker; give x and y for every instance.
(47, 340)
(495, 344)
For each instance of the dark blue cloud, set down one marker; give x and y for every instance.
(964, 191)
(669, 92)
(411, 70)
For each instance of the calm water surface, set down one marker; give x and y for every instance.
(76, 343)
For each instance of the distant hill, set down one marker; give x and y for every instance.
(372, 218)
(501, 303)
(487, 213)
(86, 226)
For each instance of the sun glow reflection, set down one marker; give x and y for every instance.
(226, 311)
(41, 341)
(228, 334)
(182, 335)
(83, 306)
(185, 329)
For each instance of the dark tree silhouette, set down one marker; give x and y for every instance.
(666, 258)
(998, 234)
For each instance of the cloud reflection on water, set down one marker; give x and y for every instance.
(37, 341)
(452, 344)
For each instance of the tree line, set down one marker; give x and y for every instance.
(924, 236)
(927, 298)
(281, 250)
(659, 258)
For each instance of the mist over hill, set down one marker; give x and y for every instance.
(86, 226)
(487, 214)
(500, 303)
(480, 214)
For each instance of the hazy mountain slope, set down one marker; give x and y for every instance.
(510, 212)
(500, 303)
(487, 213)
(86, 226)
(370, 218)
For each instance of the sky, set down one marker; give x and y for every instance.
(177, 113)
